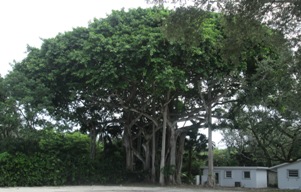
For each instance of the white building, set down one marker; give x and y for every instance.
(249, 177)
(289, 175)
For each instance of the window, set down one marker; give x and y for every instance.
(228, 174)
(247, 175)
(293, 173)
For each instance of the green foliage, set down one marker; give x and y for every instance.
(57, 159)
(14, 145)
(265, 125)
(4, 156)
(183, 25)
(168, 170)
(283, 15)
(194, 156)
(9, 118)
(225, 157)
(125, 65)
(29, 98)
(53, 143)
(30, 170)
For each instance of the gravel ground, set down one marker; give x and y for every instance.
(111, 189)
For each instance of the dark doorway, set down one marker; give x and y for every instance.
(216, 178)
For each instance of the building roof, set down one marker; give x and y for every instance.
(238, 168)
(284, 164)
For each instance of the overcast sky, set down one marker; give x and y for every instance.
(25, 22)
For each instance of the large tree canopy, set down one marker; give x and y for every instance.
(282, 15)
(121, 64)
(137, 74)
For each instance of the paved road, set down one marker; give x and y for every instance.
(109, 189)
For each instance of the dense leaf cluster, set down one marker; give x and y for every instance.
(56, 159)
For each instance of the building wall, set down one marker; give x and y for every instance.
(237, 176)
(286, 182)
(258, 178)
(204, 176)
(261, 179)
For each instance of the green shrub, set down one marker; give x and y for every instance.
(61, 159)
(34, 170)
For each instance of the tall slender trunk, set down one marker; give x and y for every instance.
(162, 163)
(154, 154)
(208, 106)
(189, 162)
(92, 142)
(154, 147)
(173, 144)
(147, 155)
(180, 154)
(127, 142)
(211, 176)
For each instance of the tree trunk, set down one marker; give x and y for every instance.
(162, 163)
(208, 106)
(127, 142)
(211, 175)
(180, 153)
(146, 165)
(92, 141)
(173, 144)
(189, 162)
(154, 155)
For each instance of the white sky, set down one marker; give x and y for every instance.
(25, 22)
